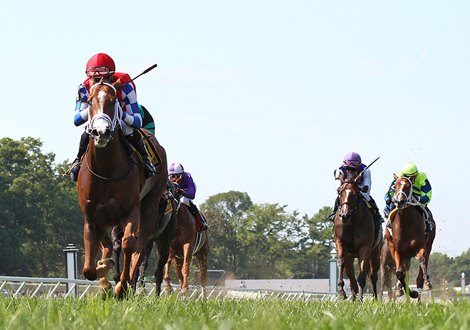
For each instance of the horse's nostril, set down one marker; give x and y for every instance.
(95, 132)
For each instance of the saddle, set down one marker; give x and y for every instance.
(429, 223)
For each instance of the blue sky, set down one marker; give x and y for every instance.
(263, 97)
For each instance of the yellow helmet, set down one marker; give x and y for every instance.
(409, 169)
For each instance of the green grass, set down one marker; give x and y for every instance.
(169, 313)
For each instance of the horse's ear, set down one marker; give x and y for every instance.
(395, 176)
(118, 84)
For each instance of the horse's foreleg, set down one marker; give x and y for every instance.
(166, 274)
(422, 281)
(163, 253)
(91, 245)
(116, 235)
(140, 282)
(349, 268)
(129, 245)
(364, 269)
(341, 292)
(178, 270)
(188, 255)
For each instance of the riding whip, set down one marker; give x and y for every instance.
(145, 71)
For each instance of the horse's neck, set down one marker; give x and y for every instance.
(107, 159)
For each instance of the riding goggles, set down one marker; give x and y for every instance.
(98, 71)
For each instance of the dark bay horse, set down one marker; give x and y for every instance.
(188, 243)
(387, 269)
(162, 236)
(113, 191)
(408, 238)
(354, 237)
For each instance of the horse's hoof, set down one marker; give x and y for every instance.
(427, 286)
(119, 290)
(414, 294)
(341, 295)
(103, 267)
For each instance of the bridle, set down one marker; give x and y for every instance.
(101, 126)
(403, 199)
(353, 204)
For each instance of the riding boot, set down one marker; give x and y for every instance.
(136, 140)
(331, 217)
(201, 222)
(376, 213)
(75, 167)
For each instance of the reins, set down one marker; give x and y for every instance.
(114, 123)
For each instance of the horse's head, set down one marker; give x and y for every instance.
(104, 113)
(349, 194)
(403, 192)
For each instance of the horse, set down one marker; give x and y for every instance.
(164, 233)
(354, 238)
(188, 243)
(408, 237)
(113, 191)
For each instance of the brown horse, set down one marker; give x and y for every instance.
(387, 269)
(188, 243)
(408, 238)
(113, 191)
(354, 237)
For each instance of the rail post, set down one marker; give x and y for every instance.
(71, 266)
(333, 267)
(462, 283)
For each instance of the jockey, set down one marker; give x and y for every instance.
(187, 188)
(422, 192)
(101, 67)
(352, 165)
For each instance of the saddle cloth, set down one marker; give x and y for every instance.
(149, 141)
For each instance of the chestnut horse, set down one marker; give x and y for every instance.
(164, 233)
(113, 191)
(188, 243)
(354, 237)
(408, 238)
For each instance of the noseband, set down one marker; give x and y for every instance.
(101, 126)
(403, 199)
(351, 203)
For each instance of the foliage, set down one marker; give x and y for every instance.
(170, 313)
(38, 217)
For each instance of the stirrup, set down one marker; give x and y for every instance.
(74, 170)
(149, 169)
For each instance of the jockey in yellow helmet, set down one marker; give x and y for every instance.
(422, 190)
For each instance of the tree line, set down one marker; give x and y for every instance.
(39, 216)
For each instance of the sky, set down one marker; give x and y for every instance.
(262, 97)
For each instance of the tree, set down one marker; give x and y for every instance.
(37, 216)
(225, 212)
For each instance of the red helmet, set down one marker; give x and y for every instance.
(100, 65)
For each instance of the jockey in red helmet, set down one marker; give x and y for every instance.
(101, 67)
